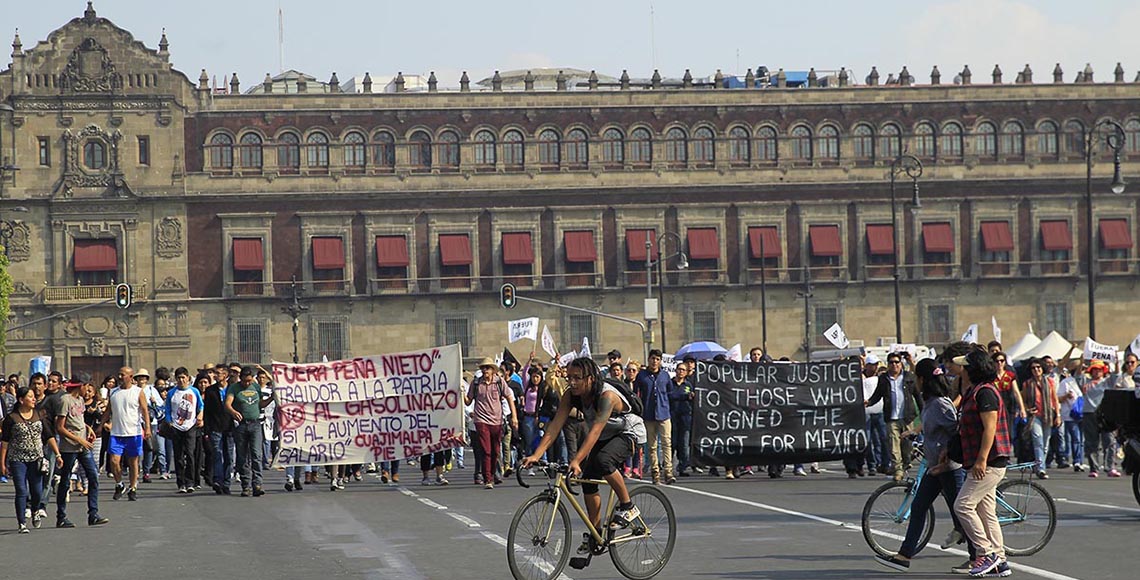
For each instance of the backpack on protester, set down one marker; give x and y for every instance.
(636, 407)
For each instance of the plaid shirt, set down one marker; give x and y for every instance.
(970, 429)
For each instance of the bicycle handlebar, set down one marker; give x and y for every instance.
(547, 467)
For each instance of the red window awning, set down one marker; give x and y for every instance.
(517, 249)
(771, 246)
(580, 246)
(1114, 235)
(997, 237)
(703, 244)
(880, 240)
(1055, 236)
(328, 253)
(455, 250)
(248, 256)
(938, 238)
(825, 241)
(99, 255)
(635, 245)
(392, 252)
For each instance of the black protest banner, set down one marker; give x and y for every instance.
(758, 413)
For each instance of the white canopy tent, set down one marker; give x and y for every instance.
(1026, 344)
(1053, 345)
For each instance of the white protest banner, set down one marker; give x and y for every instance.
(1097, 351)
(997, 329)
(971, 335)
(836, 336)
(566, 358)
(523, 328)
(734, 353)
(1135, 346)
(909, 348)
(585, 352)
(548, 342)
(669, 363)
(376, 408)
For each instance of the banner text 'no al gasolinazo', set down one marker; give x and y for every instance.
(376, 408)
(760, 413)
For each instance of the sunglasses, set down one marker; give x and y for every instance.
(1000, 360)
(894, 362)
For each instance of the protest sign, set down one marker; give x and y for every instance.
(566, 358)
(523, 328)
(971, 335)
(909, 348)
(1097, 351)
(759, 413)
(669, 363)
(997, 329)
(1135, 346)
(548, 342)
(836, 336)
(377, 408)
(585, 352)
(734, 353)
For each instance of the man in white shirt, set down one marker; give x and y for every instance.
(1068, 393)
(876, 427)
(130, 424)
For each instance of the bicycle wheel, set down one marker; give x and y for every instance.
(1028, 516)
(1136, 485)
(538, 543)
(647, 555)
(885, 521)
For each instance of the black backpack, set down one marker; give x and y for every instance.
(635, 405)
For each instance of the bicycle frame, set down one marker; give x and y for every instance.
(561, 490)
(904, 509)
(1002, 504)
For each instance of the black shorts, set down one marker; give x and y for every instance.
(606, 457)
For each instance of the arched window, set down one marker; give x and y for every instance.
(419, 150)
(801, 143)
(317, 150)
(1075, 138)
(548, 146)
(513, 154)
(640, 146)
(1012, 140)
(384, 149)
(1047, 139)
(863, 140)
(577, 148)
(1132, 137)
(924, 141)
(354, 151)
(676, 146)
(766, 145)
(288, 153)
(828, 148)
(890, 142)
(485, 148)
(250, 151)
(739, 145)
(613, 146)
(448, 147)
(221, 152)
(94, 155)
(951, 141)
(704, 148)
(985, 145)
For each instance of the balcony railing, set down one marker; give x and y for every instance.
(69, 294)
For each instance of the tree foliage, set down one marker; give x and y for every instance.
(5, 292)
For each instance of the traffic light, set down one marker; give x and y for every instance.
(507, 296)
(123, 296)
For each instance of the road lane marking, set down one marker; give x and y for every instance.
(1099, 505)
(1016, 566)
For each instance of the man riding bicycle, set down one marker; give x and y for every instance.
(612, 432)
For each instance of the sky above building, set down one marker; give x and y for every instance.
(450, 36)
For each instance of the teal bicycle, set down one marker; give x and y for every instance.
(1025, 510)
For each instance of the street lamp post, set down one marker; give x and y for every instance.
(1115, 142)
(912, 167)
(295, 309)
(661, 259)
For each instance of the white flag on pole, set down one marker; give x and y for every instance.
(997, 329)
(971, 335)
(1097, 351)
(522, 328)
(566, 358)
(585, 352)
(1135, 347)
(734, 353)
(548, 342)
(836, 336)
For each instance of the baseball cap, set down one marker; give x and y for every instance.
(873, 360)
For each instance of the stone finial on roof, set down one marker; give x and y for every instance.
(89, 14)
(655, 80)
(813, 79)
(687, 80)
(1058, 74)
(781, 79)
(302, 85)
(203, 81)
(624, 80)
(267, 84)
(433, 83)
(497, 82)
(1087, 74)
(749, 80)
(399, 82)
(17, 45)
(966, 75)
(367, 82)
(905, 79)
(560, 81)
(235, 85)
(1027, 75)
(334, 83)
(163, 45)
(528, 81)
(997, 75)
(593, 80)
(1080, 77)
(464, 83)
(718, 79)
(844, 77)
(1118, 74)
(1137, 79)
(935, 76)
(873, 77)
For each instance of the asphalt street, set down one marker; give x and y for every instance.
(753, 528)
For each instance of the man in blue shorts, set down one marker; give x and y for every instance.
(130, 424)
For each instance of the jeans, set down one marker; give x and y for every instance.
(876, 442)
(222, 445)
(682, 431)
(1040, 440)
(86, 461)
(527, 428)
(247, 437)
(945, 484)
(185, 456)
(169, 455)
(1058, 447)
(155, 459)
(45, 479)
(392, 467)
(1076, 441)
(28, 480)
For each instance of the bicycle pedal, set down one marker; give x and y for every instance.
(580, 562)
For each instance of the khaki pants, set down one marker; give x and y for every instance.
(664, 428)
(976, 509)
(900, 450)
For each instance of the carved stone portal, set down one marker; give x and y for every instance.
(168, 238)
(19, 245)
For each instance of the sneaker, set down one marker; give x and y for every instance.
(357, 477)
(624, 517)
(530, 472)
(984, 565)
(1093, 474)
(426, 481)
(165, 476)
(670, 480)
(340, 484)
(182, 490)
(132, 494)
(1113, 473)
(146, 478)
(800, 472)
(1078, 468)
(64, 523)
(498, 480)
(23, 529)
(1042, 475)
(98, 520)
(297, 485)
(478, 479)
(288, 485)
(814, 468)
(395, 478)
(489, 485)
(728, 474)
(954, 538)
(245, 492)
(894, 563)
(1001, 571)
(587, 545)
(38, 518)
(3, 479)
(1063, 466)
(383, 477)
(440, 480)
(332, 486)
(698, 470)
